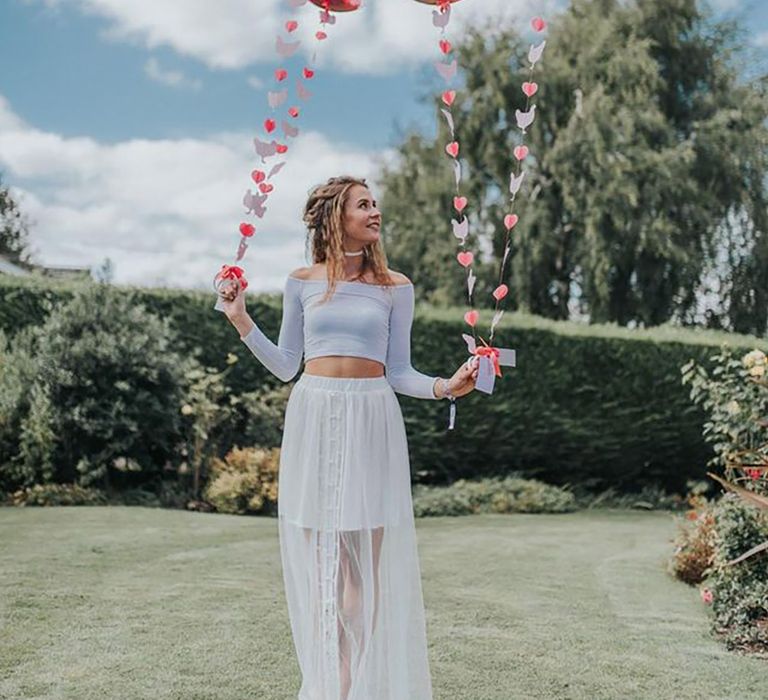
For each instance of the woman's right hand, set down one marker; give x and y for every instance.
(233, 300)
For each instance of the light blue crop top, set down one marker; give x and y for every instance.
(360, 320)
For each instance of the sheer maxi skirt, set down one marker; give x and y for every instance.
(348, 543)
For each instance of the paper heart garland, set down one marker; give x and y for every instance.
(452, 149)
(247, 230)
(465, 258)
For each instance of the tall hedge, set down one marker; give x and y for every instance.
(595, 405)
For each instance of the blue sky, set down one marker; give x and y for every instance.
(126, 127)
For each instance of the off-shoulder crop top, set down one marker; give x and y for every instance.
(360, 319)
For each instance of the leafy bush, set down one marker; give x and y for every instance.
(694, 544)
(493, 495)
(735, 396)
(97, 398)
(245, 481)
(740, 591)
(57, 495)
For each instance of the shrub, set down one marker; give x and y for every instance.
(57, 495)
(101, 404)
(694, 545)
(493, 495)
(740, 591)
(245, 481)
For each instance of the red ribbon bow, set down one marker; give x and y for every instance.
(233, 272)
(493, 353)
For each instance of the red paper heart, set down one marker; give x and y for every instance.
(500, 292)
(320, 36)
(538, 24)
(459, 203)
(269, 125)
(266, 188)
(291, 25)
(258, 176)
(247, 230)
(281, 74)
(309, 73)
(449, 96)
(530, 88)
(510, 220)
(471, 317)
(465, 258)
(294, 112)
(445, 46)
(521, 152)
(452, 149)
(281, 148)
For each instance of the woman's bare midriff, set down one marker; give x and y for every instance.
(343, 366)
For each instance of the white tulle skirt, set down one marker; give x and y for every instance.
(348, 543)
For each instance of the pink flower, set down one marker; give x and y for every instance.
(706, 595)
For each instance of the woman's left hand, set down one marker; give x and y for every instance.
(463, 380)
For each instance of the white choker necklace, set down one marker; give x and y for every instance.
(353, 255)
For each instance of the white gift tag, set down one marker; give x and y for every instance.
(485, 375)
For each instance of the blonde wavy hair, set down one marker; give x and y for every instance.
(324, 218)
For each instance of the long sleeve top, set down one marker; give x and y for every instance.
(360, 320)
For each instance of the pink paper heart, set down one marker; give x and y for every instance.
(294, 112)
(500, 292)
(247, 230)
(538, 24)
(465, 258)
(321, 36)
(452, 149)
(269, 125)
(530, 88)
(291, 25)
(449, 96)
(459, 203)
(309, 73)
(445, 46)
(266, 188)
(521, 152)
(258, 176)
(471, 317)
(281, 74)
(510, 220)
(281, 148)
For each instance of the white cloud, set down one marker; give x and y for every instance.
(172, 78)
(165, 211)
(255, 82)
(761, 40)
(383, 37)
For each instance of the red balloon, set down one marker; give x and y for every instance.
(338, 5)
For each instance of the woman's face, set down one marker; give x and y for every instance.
(362, 219)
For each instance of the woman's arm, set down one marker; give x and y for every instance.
(283, 359)
(403, 378)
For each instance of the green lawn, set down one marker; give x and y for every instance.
(145, 603)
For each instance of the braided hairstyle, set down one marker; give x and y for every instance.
(324, 218)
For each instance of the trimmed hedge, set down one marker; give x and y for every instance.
(597, 406)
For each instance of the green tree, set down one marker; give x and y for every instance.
(648, 162)
(14, 228)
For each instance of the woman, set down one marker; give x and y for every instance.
(345, 517)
